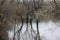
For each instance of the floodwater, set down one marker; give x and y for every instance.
(48, 31)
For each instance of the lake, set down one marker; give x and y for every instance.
(48, 31)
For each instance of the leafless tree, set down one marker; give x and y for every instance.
(38, 34)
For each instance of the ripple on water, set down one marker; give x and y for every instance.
(48, 31)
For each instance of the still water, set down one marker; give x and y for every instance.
(48, 31)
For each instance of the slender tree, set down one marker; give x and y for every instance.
(38, 34)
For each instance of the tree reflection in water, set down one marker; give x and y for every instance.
(48, 31)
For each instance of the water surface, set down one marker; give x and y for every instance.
(48, 31)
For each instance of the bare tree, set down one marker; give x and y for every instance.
(38, 34)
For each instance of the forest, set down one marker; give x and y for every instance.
(14, 12)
